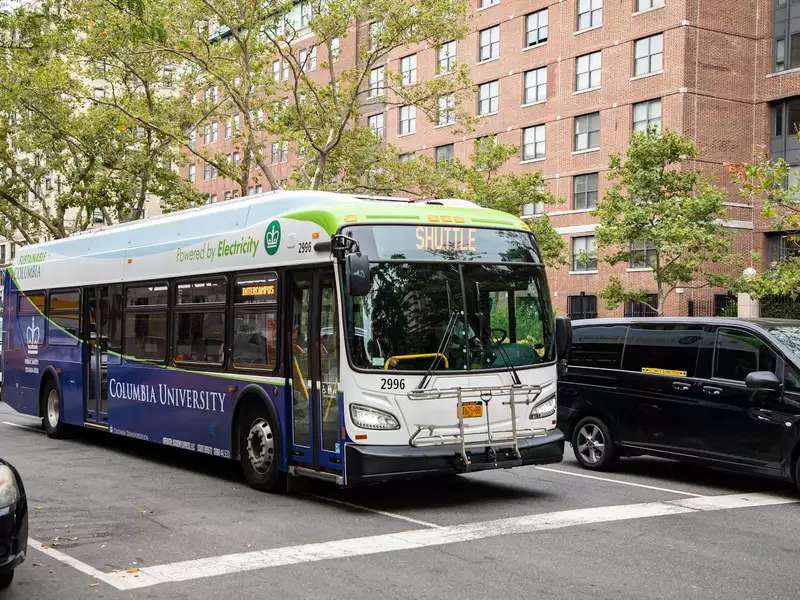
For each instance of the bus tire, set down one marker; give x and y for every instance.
(259, 448)
(593, 444)
(53, 411)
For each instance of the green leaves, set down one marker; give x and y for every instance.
(656, 196)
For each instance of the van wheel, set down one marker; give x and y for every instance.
(6, 579)
(593, 445)
(259, 447)
(53, 411)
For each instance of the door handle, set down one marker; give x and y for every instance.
(711, 390)
(681, 386)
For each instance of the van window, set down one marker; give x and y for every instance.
(598, 346)
(740, 353)
(663, 349)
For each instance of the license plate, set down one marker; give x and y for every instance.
(471, 410)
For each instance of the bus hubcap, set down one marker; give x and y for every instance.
(591, 443)
(53, 409)
(260, 446)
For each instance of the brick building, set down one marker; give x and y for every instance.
(568, 81)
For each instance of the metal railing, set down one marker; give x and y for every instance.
(493, 439)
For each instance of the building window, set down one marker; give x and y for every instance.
(487, 3)
(535, 86)
(408, 69)
(584, 191)
(375, 31)
(587, 71)
(192, 173)
(488, 98)
(584, 253)
(647, 115)
(444, 154)
(590, 14)
(276, 70)
(236, 158)
(312, 58)
(646, 308)
(532, 209)
(446, 113)
(642, 5)
(649, 55)
(377, 81)
(582, 307)
(408, 119)
(229, 128)
(643, 255)
(335, 48)
(533, 142)
(587, 132)
(405, 156)
(375, 123)
(489, 43)
(446, 57)
(279, 152)
(536, 28)
(787, 35)
(209, 172)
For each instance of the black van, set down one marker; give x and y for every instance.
(724, 392)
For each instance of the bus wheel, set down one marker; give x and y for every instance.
(53, 411)
(593, 445)
(259, 448)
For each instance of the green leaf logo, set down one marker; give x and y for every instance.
(272, 238)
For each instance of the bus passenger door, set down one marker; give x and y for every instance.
(314, 363)
(102, 328)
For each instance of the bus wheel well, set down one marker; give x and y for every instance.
(48, 377)
(247, 398)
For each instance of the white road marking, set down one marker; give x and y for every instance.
(109, 578)
(409, 540)
(377, 511)
(21, 426)
(630, 483)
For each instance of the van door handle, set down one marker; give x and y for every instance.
(711, 390)
(681, 386)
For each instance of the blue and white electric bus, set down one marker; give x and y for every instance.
(307, 333)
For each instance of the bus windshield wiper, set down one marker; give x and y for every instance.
(507, 360)
(448, 333)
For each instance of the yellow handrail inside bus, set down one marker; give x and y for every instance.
(300, 377)
(413, 356)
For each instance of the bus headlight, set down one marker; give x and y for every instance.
(544, 408)
(9, 493)
(372, 418)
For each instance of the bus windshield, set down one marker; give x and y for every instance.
(456, 315)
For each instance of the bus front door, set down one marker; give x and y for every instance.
(314, 356)
(102, 326)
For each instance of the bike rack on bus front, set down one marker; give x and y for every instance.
(496, 440)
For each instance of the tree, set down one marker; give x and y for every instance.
(65, 159)
(657, 198)
(480, 180)
(768, 184)
(250, 61)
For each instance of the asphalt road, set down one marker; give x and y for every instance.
(118, 518)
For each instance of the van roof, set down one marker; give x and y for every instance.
(760, 323)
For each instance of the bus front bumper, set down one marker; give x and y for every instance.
(370, 464)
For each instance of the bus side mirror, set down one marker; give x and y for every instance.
(563, 337)
(359, 281)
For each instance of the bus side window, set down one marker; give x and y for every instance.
(255, 321)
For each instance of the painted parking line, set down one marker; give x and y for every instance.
(377, 511)
(619, 481)
(37, 429)
(230, 564)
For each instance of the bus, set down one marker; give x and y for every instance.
(312, 334)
